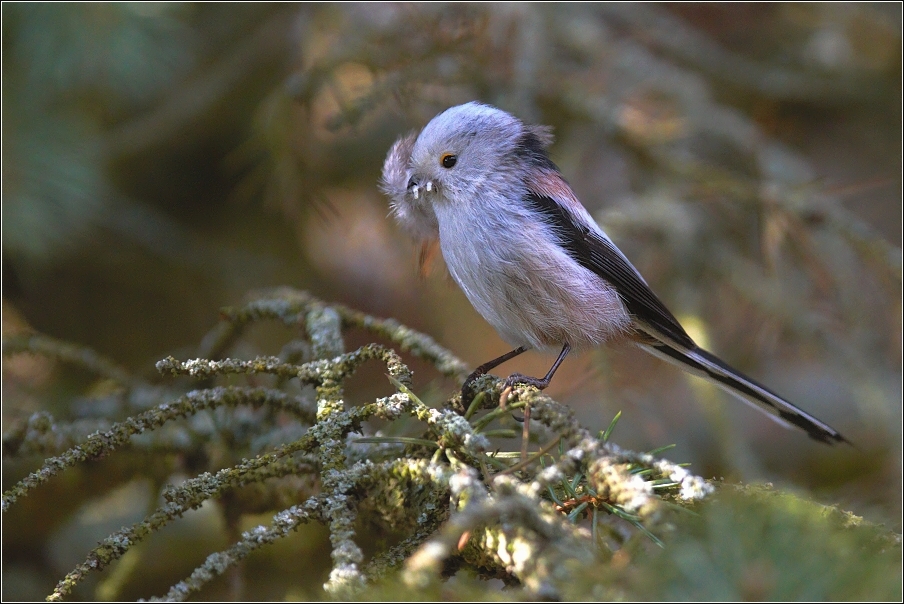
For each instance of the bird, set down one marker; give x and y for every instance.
(531, 259)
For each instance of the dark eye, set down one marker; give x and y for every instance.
(448, 160)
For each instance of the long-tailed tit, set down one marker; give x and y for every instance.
(530, 258)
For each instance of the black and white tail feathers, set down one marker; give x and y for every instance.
(716, 371)
(662, 334)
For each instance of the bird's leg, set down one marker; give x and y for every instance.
(466, 393)
(539, 383)
(517, 378)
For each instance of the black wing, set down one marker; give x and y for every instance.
(599, 255)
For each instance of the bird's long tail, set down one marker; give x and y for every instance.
(713, 369)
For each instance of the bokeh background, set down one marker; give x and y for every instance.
(162, 160)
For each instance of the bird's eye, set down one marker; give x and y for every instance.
(448, 160)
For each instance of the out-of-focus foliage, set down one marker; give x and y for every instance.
(68, 71)
(160, 160)
(754, 544)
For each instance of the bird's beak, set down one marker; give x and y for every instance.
(415, 187)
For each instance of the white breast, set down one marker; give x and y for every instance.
(524, 284)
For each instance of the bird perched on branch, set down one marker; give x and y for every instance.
(530, 258)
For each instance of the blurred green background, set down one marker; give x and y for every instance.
(161, 160)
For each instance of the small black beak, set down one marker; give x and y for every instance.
(412, 183)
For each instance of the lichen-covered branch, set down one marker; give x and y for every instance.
(520, 531)
(447, 490)
(292, 307)
(179, 500)
(100, 444)
(41, 433)
(216, 564)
